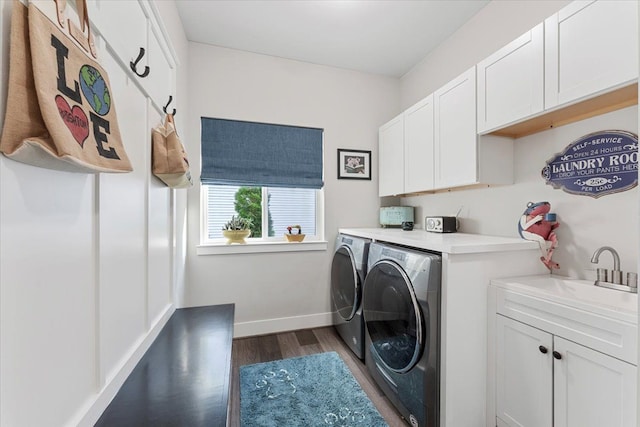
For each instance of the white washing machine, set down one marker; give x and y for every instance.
(401, 310)
(348, 271)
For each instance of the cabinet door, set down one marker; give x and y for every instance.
(455, 132)
(511, 82)
(524, 375)
(418, 147)
(590, 46)
(592, 389)
(391, 160)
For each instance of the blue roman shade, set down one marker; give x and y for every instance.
(260, 154)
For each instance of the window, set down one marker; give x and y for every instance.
(270, 174)
(270, 209)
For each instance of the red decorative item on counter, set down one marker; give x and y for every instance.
(537, 223)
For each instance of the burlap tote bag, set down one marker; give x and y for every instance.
(169, 158)
(60, 110)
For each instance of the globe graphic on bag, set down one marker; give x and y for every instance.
(95, 90)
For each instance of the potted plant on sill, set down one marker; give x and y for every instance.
(237, 229)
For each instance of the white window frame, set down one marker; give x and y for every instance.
(315, 242)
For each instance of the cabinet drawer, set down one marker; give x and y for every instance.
(609, 336)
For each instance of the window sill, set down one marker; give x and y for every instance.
(261, 247)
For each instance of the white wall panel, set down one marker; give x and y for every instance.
(160, 241)
(47, 297)
(47, 321)
(122, 237)
(74, 300)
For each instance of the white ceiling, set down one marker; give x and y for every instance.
(376, 36)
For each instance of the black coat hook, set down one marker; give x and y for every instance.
(165, 107)
(134, 65)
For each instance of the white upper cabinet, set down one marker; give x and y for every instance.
(511, 82)
(582, 61)
(391, 157)
(418, 147)
(434, 145)
(455, 131)
(590, 47)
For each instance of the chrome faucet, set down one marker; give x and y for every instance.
(616, 274)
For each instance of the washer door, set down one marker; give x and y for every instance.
(345, 283)
(392, 316)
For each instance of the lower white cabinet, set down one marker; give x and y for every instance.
(562, 353)
(592, 389)
(524, 374)
(544, 381)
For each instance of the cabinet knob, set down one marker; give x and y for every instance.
(557, 355)
(543, 349)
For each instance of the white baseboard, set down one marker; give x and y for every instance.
(282, 324)
(92, 411)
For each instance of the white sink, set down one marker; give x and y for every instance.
(573, 292)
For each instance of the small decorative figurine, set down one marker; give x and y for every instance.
(538, 224)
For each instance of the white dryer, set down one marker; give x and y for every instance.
(401, 310)
(348, 271)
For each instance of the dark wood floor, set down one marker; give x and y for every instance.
(247, 351)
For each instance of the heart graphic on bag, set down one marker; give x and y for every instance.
(75, 119)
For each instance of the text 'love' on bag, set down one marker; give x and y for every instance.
(60, 109)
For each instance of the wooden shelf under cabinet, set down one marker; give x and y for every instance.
(605, 103)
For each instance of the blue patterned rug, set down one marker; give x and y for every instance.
(309, 391)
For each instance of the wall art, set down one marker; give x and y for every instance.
(596, 164)
(354, 164)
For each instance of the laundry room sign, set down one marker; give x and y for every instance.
(595, 165)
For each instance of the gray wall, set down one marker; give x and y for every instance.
(284, 290)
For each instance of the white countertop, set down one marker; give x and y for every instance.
(581, 294)
(452, 243)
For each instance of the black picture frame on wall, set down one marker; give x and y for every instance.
(354, 164)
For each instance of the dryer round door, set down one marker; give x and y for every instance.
(392, 316)
(345, 283)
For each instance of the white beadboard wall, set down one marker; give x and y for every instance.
(88, 264)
